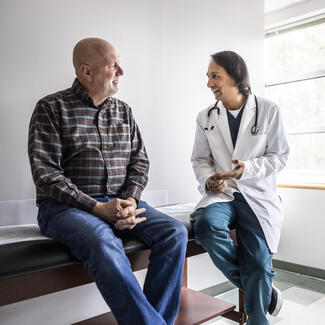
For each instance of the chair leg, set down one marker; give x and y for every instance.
(241, 307)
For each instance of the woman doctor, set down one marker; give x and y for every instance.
(239, 147)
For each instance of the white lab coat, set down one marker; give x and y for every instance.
(264, 155)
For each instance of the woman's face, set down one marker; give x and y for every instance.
(220, 83)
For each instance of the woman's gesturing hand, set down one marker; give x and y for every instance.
(217, 183)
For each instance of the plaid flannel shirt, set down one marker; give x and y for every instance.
(78, 150)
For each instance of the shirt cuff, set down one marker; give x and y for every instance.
(206, 188)
(133, 191)
(246, 173)
(85, 202)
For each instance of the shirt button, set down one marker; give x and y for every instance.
(105, 147)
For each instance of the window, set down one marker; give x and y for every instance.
(295, 74)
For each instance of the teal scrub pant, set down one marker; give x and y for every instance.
(248, 265)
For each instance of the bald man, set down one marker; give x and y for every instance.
(89, 165)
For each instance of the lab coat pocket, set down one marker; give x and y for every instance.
(257, 146)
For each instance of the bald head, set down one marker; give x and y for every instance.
(97, 68)
(92, 52)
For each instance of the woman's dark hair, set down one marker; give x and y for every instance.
(236, 67)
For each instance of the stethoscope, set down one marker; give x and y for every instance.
(254, 128)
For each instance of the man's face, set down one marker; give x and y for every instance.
(220, 83)
(106, 73)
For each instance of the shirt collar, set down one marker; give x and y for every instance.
(80, 91)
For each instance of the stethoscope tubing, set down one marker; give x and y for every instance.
(254, 128)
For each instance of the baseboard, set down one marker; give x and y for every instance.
(300, 269)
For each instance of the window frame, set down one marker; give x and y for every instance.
(293, 177)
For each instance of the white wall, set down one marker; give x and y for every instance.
(302, 235)
(164, 47)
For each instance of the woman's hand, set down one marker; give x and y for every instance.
(215, 186)
(217, 183)
(235, 173)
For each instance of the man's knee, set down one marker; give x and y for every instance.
(179, 233)
(94, 243)
(108, 254)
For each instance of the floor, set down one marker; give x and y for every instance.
(303, 303)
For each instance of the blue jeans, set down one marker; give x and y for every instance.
(92, 241)
(249, 265)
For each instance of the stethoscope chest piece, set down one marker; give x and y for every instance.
(254, 129)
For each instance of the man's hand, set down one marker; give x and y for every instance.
(129, 209)
(235, 173)
(128, 219)
(130, 222)
(121, 213)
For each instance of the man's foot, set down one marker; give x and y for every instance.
(276, 302)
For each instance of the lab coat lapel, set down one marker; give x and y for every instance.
(224, 128)
(246, 123)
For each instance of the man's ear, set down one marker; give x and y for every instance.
(85, 71)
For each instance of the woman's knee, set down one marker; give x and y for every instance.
(214, 217)
(204, 224)
(210, 230)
